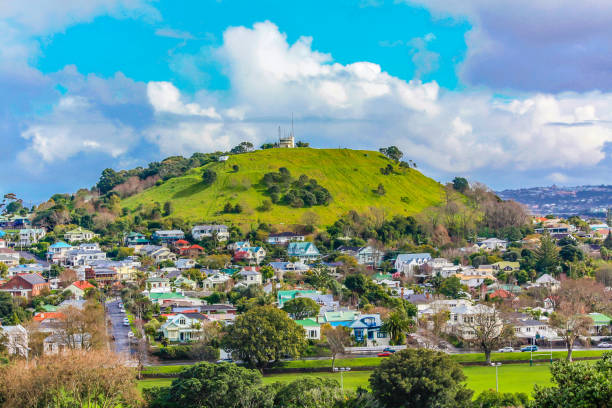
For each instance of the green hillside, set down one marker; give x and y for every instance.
(349, 175)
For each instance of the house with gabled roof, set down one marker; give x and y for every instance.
(79, 234)
(283, 238)
(311, 328)
(207, 231)
(168, 236)
(26, 285)
(78, 288)
(250, 254)
(135, 238)
(368, 329)
(183, 327)
(303, 251)
(408, 262)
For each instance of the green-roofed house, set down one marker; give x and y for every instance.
(601, 323)
(379, 277)
(312, 328)
(304, 251)
(287, 295)
(49, 308)
(340, 318)
(159, 298)
(136, 238)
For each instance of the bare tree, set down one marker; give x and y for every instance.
(488, 329)
(570, 325)
(337, 339)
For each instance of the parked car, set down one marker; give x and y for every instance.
(506, 350)
(530, 348)
(604, 345)
(384, 354)
(388, 350)
(126, 323)
(130, 334)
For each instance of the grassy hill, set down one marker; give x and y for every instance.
(349, 175)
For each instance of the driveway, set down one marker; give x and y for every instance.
(119, 331)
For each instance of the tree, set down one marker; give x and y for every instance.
(608, 241)
(235, 168)
(301, 308)
(396, 325)
(380, 190)
(492, 399)
(207, 385)
(78, 379)
(577, 385)
(208, 177)
(490, 331)
(310, 393)
(67, 277)
(392, 152)
(243, 147)
(451, 287)
(570, 324)
(460, 184)
(546, 255)
(337, 339)
(3, 270)
(264, 335)
(109, 179)
(169, 208)
(571, 253)
(420, 378)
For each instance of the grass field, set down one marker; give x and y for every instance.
(512, 378)
(349, 175)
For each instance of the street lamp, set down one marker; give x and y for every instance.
(496, 365)
(342, 370)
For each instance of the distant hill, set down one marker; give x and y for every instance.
(351, 176)
(564, 201)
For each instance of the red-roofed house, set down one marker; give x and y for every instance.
(78, 288)
(181, 244)
(192, 251)
(41, 317)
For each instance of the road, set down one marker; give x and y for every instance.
(119, 331)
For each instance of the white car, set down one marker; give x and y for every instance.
(506, 350)
(126, 323)
(130, 334)
(604, 345)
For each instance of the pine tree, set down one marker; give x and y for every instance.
(547, 255)
(608, 241)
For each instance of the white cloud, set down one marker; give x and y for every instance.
(166, 98)
(74, 127)
(173, 33)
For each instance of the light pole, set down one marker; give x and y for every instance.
(342, 370)
(496, 365)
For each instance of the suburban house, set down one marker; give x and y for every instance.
(474, 278)
(27, 268)
(183, 327)
(57, 252)
(9, 257)
(249, 276)
(506, 266)
(339, 318)
(158, 285)
(168, 236)
(530, 328)
(60, 343)
(492, 244)
(283, 238)
(185, 263)
(157, 252)
(281, 267)
(30, 236)
(218, 308)
(407, 262)
(79, 234)
(311, 328)
(368, 329)
(548, 281)
(191, 251)
(78, 288)
(250, 254)
(217, 281)
(463, 316)
(284, 296)
(83, 257)
(102, 275)
(126, 270)
(325, 301)
(206, 231)
(135, 238)
(366, 255)
(184, 282)
(601, 324)
(26, 285)
(238, 245)
(303, 251)
(17, 340)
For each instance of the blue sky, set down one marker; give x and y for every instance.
(510, 94)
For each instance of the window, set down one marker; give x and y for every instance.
(382, 335)
(182, 321)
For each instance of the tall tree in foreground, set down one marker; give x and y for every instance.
(577, 385)
(262, 336)
(420, 378)
(397, 325)
(490, 331)
(570, 323)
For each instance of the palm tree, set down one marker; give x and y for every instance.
(396, 325)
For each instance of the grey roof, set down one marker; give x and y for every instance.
(33, 278)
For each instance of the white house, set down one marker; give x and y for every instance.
(250, 276)
(78, 234)
(250, 254)
(158, 285)
(407, 262)
(80, 257)
(463, 317)
(216, 281)
(529, 328)
(60, 343)
(182, 328)
(366, 255)
(492, 244)
(283, 238)
(57, 252)
(17, 340)
(312, 329)
(304, 251)
(206, 231)
(185, 263)
(9, 257)
(78, 288)
(30, 236)
(548, 281)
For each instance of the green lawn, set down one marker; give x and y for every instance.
(512, 378)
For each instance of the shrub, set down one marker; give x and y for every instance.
(208, 177)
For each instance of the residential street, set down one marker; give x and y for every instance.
(119, 331)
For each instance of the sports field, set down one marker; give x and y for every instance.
(512, 378)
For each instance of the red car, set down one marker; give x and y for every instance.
(385, 354)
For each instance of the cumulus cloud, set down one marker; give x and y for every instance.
(166, 98)
(544, 45)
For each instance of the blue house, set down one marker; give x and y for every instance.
(368, 329)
